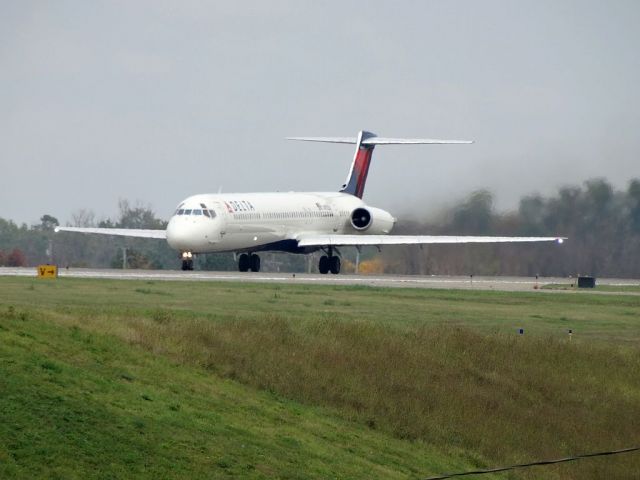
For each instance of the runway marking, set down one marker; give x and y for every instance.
(455, 282)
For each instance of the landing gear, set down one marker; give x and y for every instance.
(323, 265)
(329, 263)
(243, 262)
(334, 265)
(254, 262)
(187, 261)
(248, 262)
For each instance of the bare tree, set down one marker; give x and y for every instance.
(83, 218)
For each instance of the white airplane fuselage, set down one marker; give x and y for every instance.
(267, 221)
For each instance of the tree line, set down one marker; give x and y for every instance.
(39, 244)
(603, 226)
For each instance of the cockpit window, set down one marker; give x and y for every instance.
(208, 212)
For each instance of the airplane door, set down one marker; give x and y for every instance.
(221, 211)
(336, 220)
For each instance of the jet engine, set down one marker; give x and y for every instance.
(373, 220)
(361, 218)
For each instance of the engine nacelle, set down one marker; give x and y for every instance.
(361, 219)
(372, 220)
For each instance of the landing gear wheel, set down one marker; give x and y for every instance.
(334, 265)
(187, 264)
(254, 262)
(323, 265)
(243, 262)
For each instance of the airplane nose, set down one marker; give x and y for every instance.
(189, 235)
(177, 235)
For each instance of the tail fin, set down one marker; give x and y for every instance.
(365, 143)
(360, 166)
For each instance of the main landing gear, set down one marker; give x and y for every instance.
(329, 263)
(187, 261)
(249, 261)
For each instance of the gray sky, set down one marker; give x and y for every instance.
(155, 101)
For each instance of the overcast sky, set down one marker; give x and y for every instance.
(155, 101)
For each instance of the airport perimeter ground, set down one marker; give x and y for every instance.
(152, 378)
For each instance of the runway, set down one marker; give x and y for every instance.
(412, 281)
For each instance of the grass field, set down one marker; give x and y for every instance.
(632, 288)
(116, 379)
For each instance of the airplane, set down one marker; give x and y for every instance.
(294, 222)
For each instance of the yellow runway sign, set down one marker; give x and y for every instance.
(47, 271)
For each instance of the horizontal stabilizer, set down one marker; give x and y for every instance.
(381, 140)
(365, 142)
(122, 232)
(410, 141)
(351, 140)
(376, 240)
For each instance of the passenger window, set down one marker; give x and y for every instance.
(197, 212)
(180, 212)
(187, 212)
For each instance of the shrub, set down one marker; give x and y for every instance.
(16, 258)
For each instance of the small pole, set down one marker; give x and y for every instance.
(50, 251)
(521, 331)
(570, 334)
(124, 258)
(357, 260)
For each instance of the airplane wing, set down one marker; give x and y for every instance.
(123, 232)
(377, 240)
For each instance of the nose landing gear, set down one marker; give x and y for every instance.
(248, 262)
(187, 261)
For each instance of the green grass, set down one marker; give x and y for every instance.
(81, 404)
(601, 318)
(117, 379)
(597, 288)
